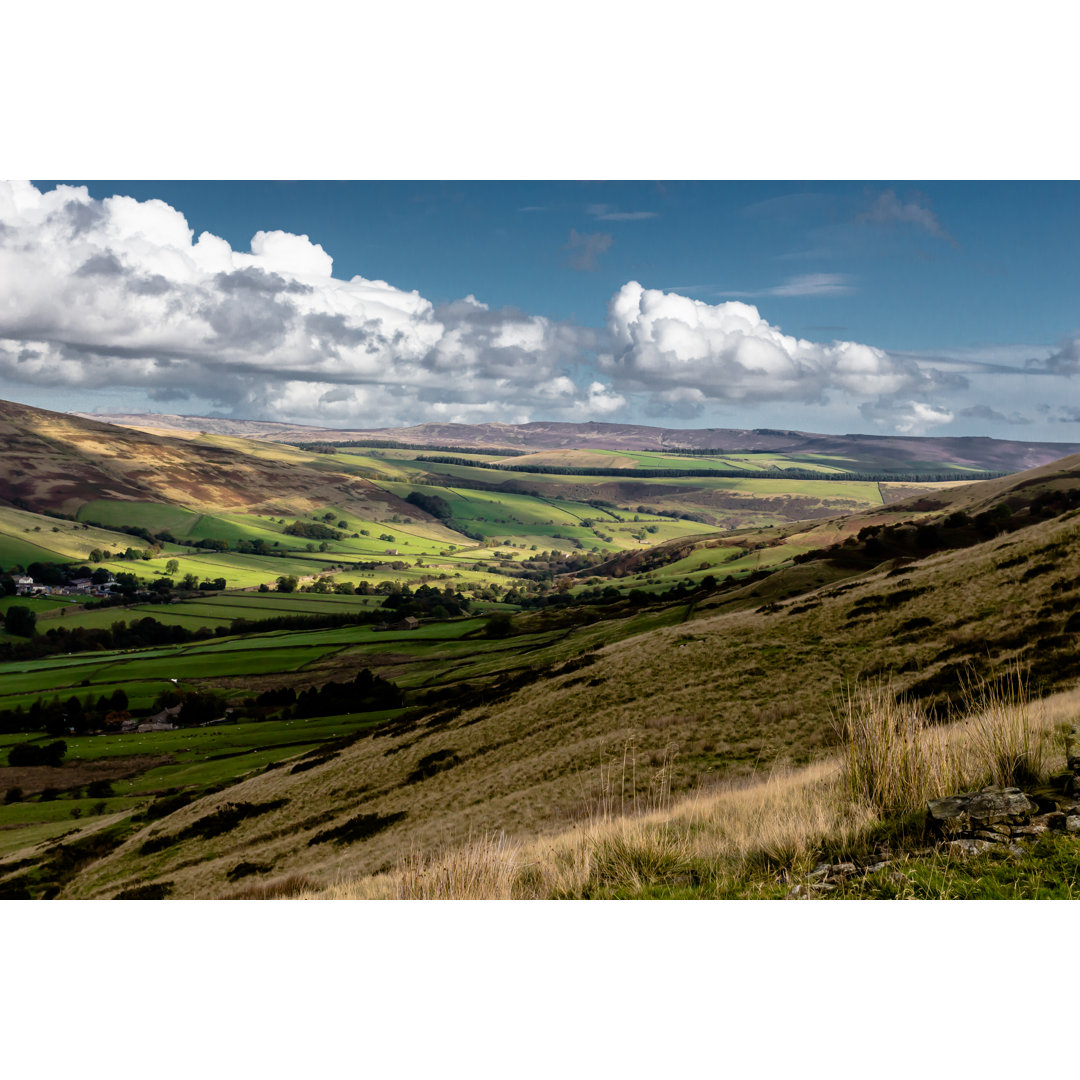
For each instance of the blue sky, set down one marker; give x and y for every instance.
(937, 307)
(1004, 268)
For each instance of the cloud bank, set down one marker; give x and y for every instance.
(117, 293)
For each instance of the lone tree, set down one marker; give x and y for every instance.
(20, 620)
(172, 567)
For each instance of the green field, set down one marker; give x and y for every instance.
(152, 516)
(26, 537)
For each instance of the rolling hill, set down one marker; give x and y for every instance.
(745, 678)
(60, 462)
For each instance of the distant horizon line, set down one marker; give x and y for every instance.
(567, 424)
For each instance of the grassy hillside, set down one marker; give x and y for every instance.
(778, 837)
(601, 636)
(718, 695)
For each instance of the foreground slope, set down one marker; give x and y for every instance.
(724, 693)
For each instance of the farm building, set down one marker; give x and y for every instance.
(162, 721)
(410, 622)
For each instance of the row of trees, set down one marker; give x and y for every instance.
(56, 717)
(746, 474)
(365, 693)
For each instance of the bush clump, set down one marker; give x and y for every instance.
(31, 754)
(360, 827)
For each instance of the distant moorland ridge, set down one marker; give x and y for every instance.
(896, 451)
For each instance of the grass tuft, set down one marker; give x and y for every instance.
(895, 760)
(1013, 749)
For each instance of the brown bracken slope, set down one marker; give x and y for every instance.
(57, 462)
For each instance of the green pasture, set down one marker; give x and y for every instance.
(59, 809)
(862, 492)
(20, 836)
(235, 527)
(370, 464)
(26, 537)
(176, 614)
(149, 515)
(143, 673)
(239, 571)
(40, 605)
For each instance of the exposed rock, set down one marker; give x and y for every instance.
(971, 846)
(1055, 795)
(962, 815)
(993, 819)
(1003, 816)
(827, 877)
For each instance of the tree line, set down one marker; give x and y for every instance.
(746, 474)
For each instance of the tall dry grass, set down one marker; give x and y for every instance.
(743, 839)
(896, 758)
(1006, 730)
(710, 841)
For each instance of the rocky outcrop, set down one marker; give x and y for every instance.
(994, 814)
(827, 878)
(980, 820)
(993, 819)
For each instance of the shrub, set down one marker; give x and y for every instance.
(20, 621)
(634, 856)
(285, 888)
(1011, 748)
(499, 625)
(897, 758)
(430, 764)
(227, 817)
(13, 795)
(220, 821)
(245, 869)
(30, 754)
(357, 828)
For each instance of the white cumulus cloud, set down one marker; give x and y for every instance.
(689, 352)
(121, 293)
